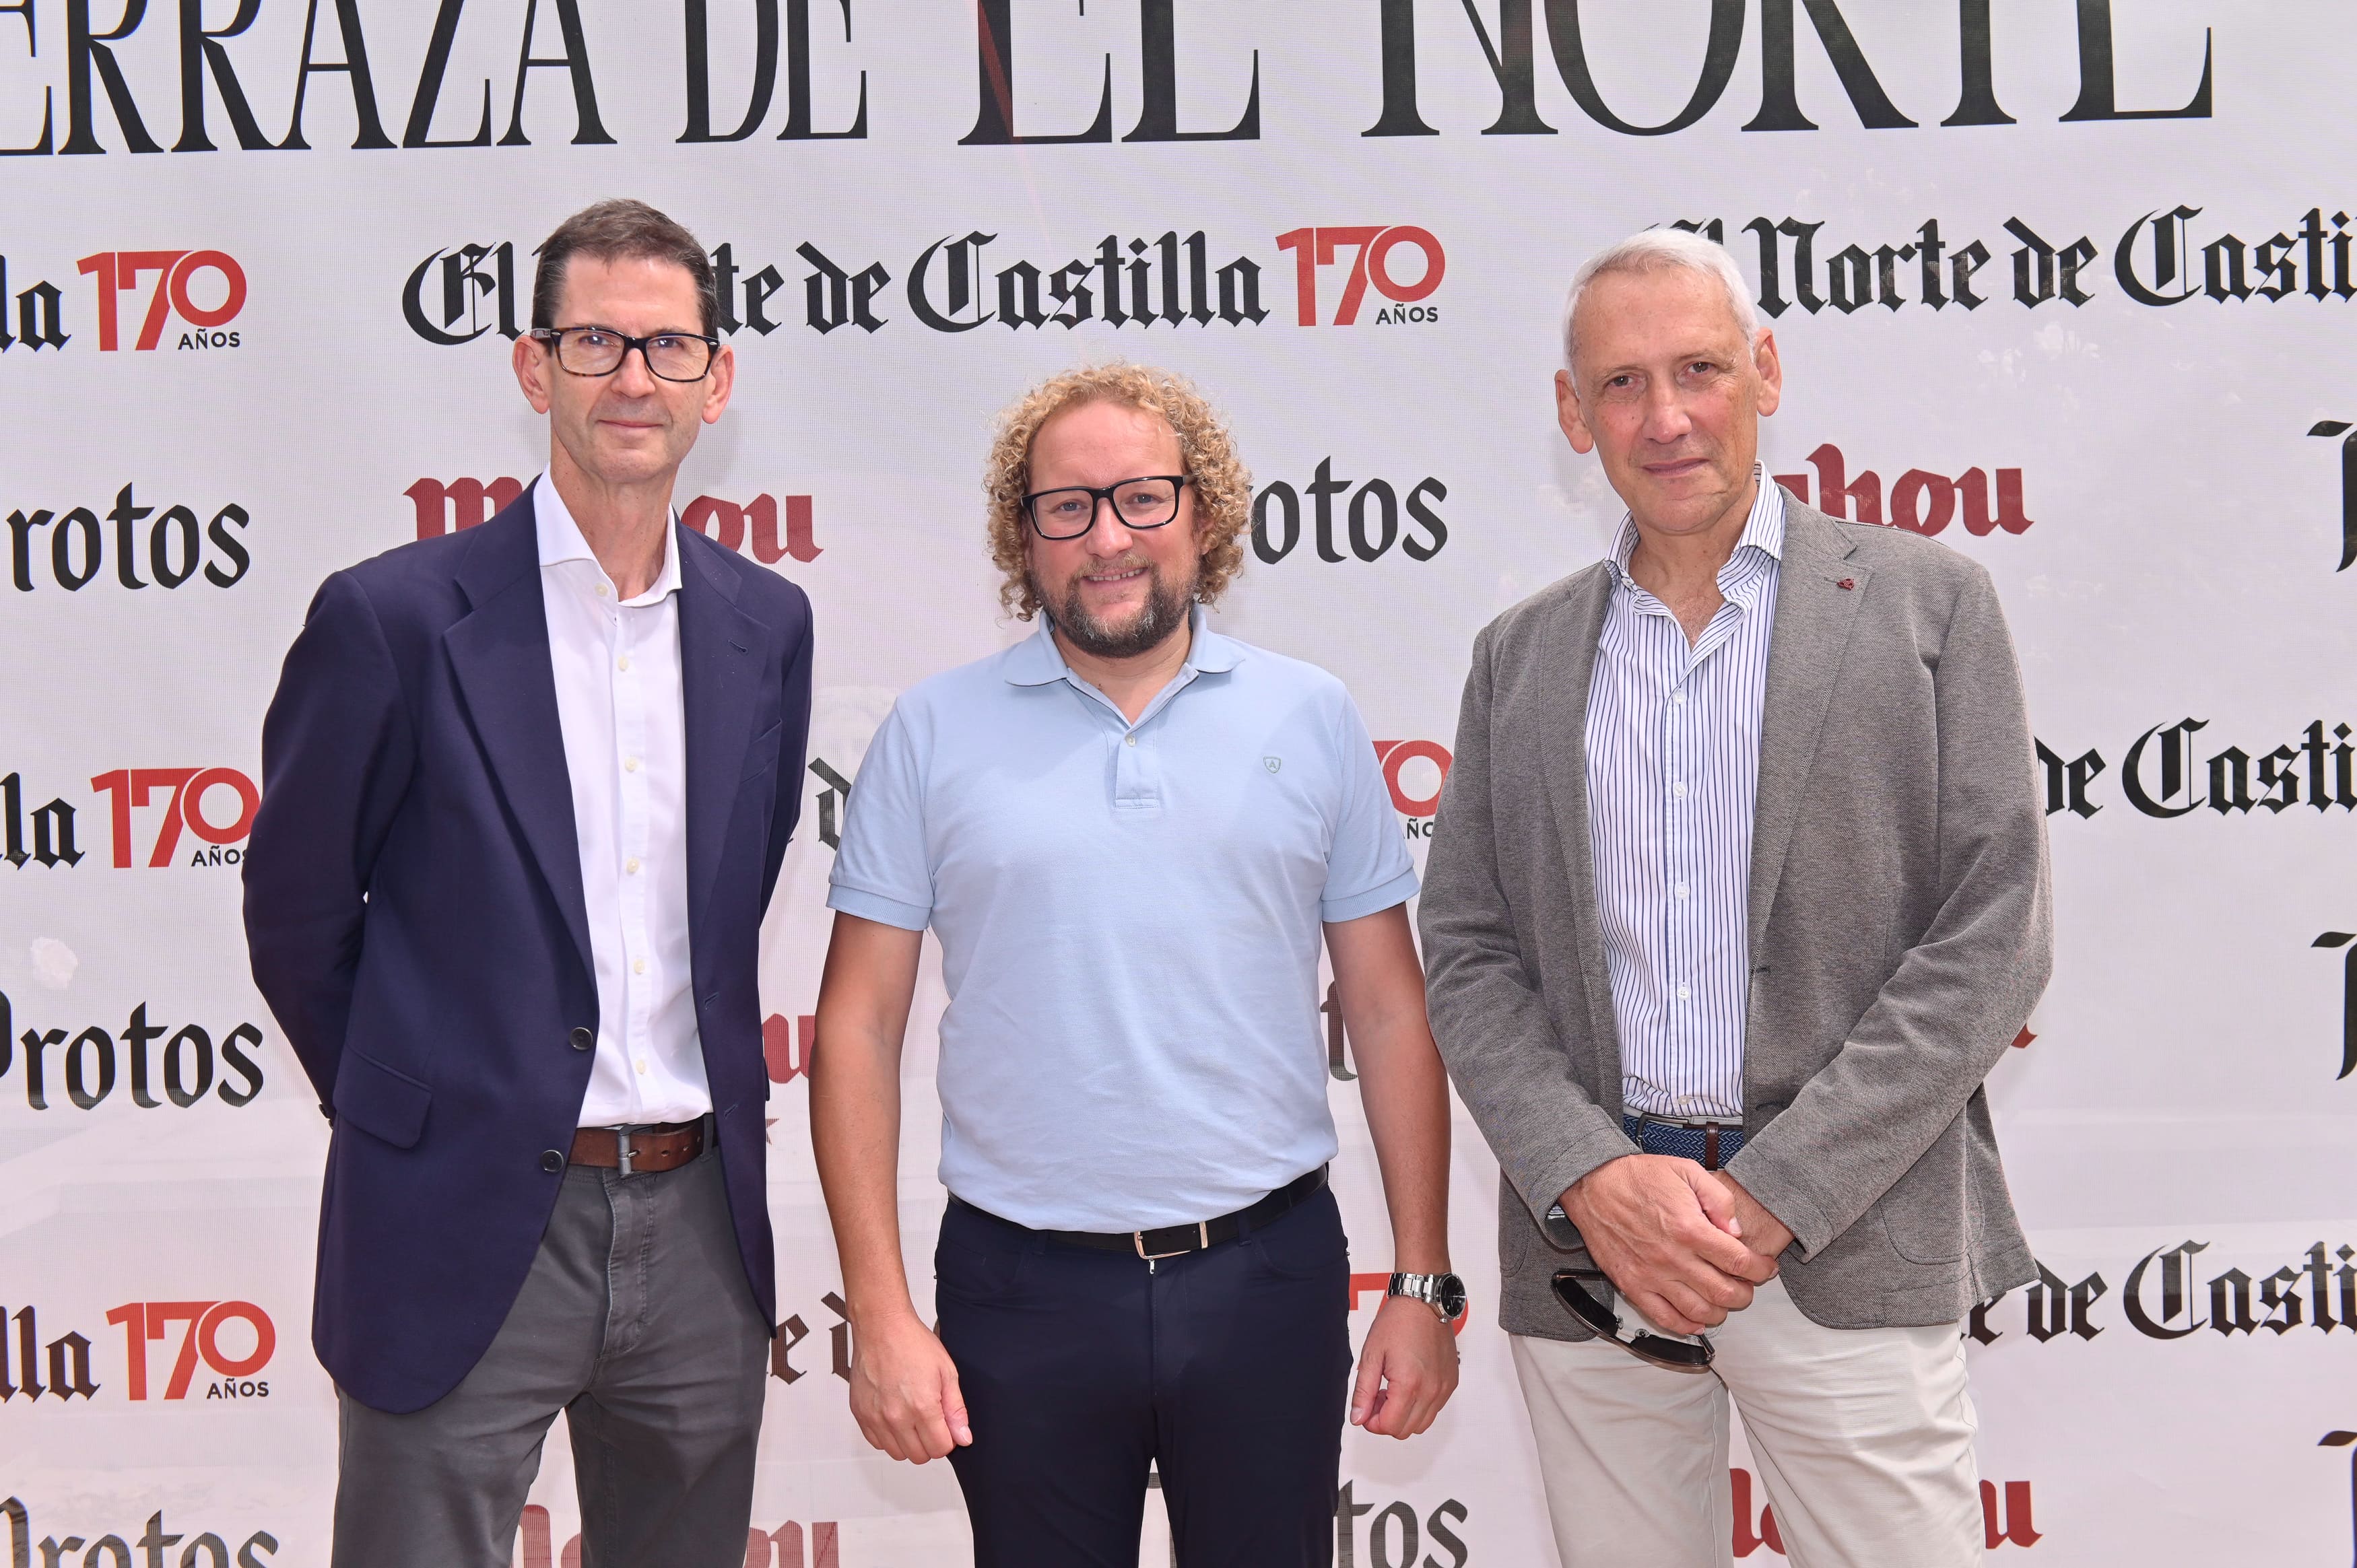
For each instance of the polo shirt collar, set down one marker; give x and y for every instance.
(561, 539)
(1037, 661)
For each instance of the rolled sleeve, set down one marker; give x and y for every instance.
(883, 871)
(1367, 866)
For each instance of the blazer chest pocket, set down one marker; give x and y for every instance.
(381, 1101)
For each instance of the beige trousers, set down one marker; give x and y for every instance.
(1863, 1439)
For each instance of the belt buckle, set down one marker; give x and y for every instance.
(1202, 1243)
(622, 1148)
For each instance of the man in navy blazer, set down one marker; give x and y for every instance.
(526, 788)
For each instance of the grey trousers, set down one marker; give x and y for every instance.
(636, 1321)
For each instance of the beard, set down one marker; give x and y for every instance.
(1165, 611)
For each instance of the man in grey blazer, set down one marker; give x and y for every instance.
(1739, 891)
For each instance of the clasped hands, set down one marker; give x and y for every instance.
(1683, 1245)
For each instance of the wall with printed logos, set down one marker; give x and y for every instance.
(2067, 284)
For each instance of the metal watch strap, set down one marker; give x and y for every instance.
(1425, 1288)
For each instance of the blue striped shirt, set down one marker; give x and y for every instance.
(1672, 771)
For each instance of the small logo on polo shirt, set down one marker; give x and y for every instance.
(1272, 763)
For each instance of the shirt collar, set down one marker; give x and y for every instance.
(1763, 530)
(561, 539)
(1037, 661)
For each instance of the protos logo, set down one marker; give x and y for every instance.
(206, 1550)
(182, 1069)
(1373, 518)
(1372, 247)
(181, 276)
(1414, 771)
(172, 547)
(1396, 1537)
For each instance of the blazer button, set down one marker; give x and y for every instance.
(583, 1036)
(551, 1161)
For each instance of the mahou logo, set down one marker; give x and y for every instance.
(1921, 500)
(201, 290)
(2005, 1516)
(787, 1545)
(1373, 248)
(449, 506)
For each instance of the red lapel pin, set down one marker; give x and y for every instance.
(1846, 584)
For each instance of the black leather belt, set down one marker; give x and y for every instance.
(1171, 1240)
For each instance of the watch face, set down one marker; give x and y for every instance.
(1451, 1292)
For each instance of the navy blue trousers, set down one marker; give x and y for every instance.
(1227, 1370)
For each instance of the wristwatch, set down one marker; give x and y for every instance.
(1445, 1294)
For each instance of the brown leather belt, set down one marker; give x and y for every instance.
(640, 1151)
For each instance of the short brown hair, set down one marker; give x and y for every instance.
(615, 231)
(1222, 486)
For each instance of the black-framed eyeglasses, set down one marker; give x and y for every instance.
(1069, 512)
(600, 350)
(1572, 1287)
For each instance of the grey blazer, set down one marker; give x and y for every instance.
(1900, 929)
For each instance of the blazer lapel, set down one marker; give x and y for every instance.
(1569, 666)
(499, 655)
(721, 690)
(1818, 591)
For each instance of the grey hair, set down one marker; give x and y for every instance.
(1658, 249)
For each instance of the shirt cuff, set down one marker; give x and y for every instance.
(877, 907)
(1398, 890)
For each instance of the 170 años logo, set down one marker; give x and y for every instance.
(202, 290)
(231, 1341)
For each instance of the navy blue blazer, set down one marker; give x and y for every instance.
(414, 917)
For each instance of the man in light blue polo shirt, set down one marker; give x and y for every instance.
(1130, 835)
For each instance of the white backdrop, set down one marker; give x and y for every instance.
(2146, 201)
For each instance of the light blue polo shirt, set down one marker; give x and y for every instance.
(1130, 918)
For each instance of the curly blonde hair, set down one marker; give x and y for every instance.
(1222, 486)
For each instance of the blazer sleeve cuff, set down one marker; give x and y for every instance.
(1784, 1195)
(1596, 1139)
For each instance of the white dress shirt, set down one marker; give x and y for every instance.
(1673, 775)
(618, 702)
